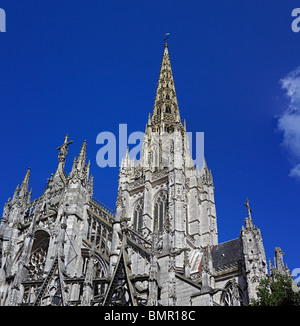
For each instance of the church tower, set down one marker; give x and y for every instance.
(159, 247)
(163, 195)
(165, 175)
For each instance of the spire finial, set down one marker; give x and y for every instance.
(248, 207)
(167, 35)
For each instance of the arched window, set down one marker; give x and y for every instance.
(38, 255)
(138, 216)
(160, 211)
(233, 295)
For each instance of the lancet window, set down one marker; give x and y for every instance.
(138, 216)
(160, 211)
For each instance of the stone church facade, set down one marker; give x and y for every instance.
(158, 248)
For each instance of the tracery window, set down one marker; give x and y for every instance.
(138, 216)
(160, 211)
(232, 295)
(38, 255)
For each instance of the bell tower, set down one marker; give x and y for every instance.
(164, 195)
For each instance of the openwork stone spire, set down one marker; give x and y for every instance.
(166, 113)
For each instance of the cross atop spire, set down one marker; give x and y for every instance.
(64, 148)
(62, 156)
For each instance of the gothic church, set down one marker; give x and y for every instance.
(158, 248)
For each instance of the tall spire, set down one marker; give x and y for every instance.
(165, 113)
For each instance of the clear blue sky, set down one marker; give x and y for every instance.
(82, 67)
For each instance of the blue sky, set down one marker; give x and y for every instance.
(83, 67)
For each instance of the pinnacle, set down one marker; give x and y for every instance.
(82, 156)
(26, 178)
(24, 186)
(82, 153)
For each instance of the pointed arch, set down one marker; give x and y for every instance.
(233, 294)
(137, 221)
(39, 251)
(160, 211)
(100, 266)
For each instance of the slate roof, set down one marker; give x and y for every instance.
(227, 252)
